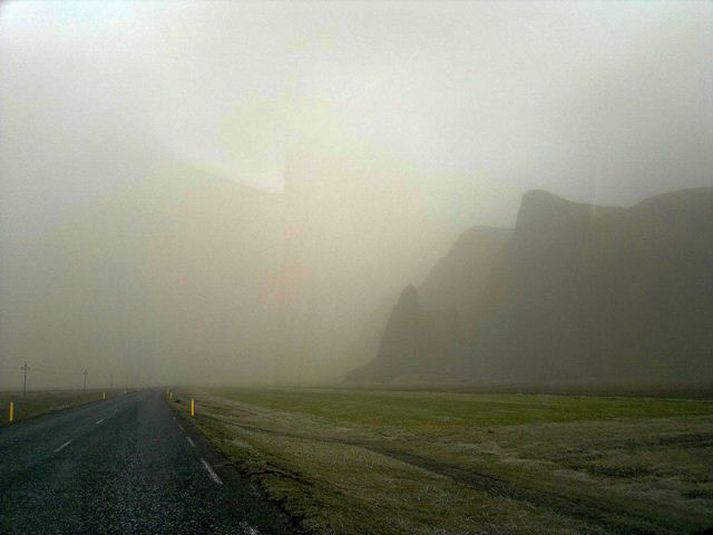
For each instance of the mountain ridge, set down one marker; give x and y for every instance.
(581, 292)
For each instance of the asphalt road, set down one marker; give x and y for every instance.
(124, 465)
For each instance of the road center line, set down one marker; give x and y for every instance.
(211, 472)
(180, 427)
(190, 441)
(63, 446)
(100, 421)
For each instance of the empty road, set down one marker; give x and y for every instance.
(124, 465)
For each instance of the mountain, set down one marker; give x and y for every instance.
(430, 327)
(584, 294)
(459, 281)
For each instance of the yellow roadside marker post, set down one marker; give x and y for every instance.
(193, 407)
(11, 416)
(103, 395)
(170, 395)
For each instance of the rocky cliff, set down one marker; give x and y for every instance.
(431, 327)
(576, 294)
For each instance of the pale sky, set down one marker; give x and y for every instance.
(451, 110)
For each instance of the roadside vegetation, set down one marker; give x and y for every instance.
(35, 403)
(354, 461)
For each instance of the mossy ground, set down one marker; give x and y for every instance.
(345, 462)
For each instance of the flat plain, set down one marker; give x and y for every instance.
(34, 403)
(358, 461)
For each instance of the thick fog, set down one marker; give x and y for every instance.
(233, 192)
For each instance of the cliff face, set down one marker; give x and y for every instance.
(459, 281)
(402, 346)
(431, 327)
(601, 294)
(579, 294)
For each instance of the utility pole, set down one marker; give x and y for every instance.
(24, 380)
(85, 373)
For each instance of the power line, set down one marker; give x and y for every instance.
(44, 372)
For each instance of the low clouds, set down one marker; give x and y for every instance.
(169, 145)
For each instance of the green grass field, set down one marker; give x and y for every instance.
(411, 410)
(356, 461)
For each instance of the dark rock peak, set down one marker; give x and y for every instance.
(577, 292)
(540, 209)
(408, 297)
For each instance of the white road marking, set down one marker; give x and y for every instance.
(99, 421)
(63, 446)
(190, 441)
(180, 427)
(211, 472)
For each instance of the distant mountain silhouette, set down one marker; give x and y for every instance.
(576, 294)
(430, 328)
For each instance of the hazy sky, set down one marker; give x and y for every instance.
(411, 120)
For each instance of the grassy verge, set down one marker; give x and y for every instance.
(347, 462)
(36, 403)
